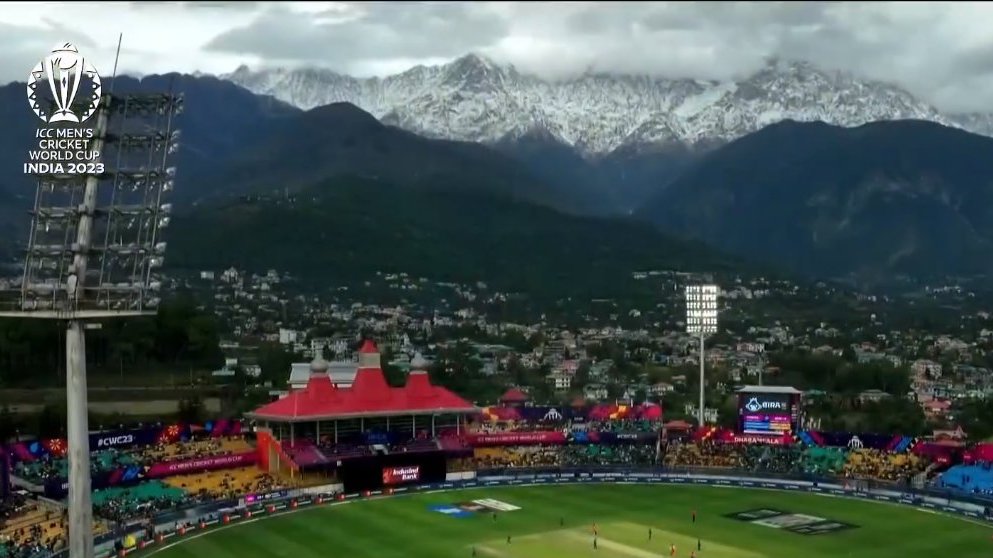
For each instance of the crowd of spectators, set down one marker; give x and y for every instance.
(639, 425)
(566, 455)
(824, 461)
(518, 456)
(150, 497)
(30, 529)
(141, 500)
(784, 460)
(870, 464)
(882, 465)
(12, 508)
(706, 454)
(48, 467)
(604, 455)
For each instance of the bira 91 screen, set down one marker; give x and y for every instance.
(399, 475)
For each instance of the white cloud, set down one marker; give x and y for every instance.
(942, 52)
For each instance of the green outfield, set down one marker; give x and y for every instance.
(558, 521)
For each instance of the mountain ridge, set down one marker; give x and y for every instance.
(348, 228)
(341, 139)
(904, 197)
(476, 99)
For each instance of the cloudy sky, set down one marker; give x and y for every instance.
(943, 52)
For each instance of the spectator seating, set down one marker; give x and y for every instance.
(39, 471)
(334, 451)
(972, 478)
(706, 454)
(637, 425)
(139, 500)
(824, 461)
(107, 460)
(304, 453)
(881, 465)
(193, 449)
(773, 459)
(227, 483)
(30, 529)
(517, 456)
(596, 454)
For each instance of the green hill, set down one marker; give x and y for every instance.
(347, 229)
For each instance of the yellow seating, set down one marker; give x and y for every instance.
(227, 483)
(213, 446)
(871, 463)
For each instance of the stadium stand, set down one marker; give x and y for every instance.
(599, 455)
(227, 483)
(41, 470)
(882, 465)
(977, 478)
(786, 460)
(141, 500)
(823, 461)
(706, 454)
(518, 456)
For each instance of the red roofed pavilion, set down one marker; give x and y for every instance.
(514, 396)
(323, 410)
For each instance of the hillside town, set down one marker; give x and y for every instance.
(621, 353)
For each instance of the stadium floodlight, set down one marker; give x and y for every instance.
(93, 253)
(701, 319)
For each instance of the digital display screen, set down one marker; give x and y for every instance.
(401, 475)
(766, 423)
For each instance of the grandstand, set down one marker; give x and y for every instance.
(314, 429)
(371, 436)
(144, 472)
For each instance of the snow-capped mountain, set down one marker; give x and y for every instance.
(475, 99)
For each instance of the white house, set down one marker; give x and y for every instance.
(924, 367)
(595, 392)
(288, 336)
(660, 389)
(560, 381)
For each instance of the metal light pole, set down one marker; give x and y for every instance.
(701, 319)
(94, 249)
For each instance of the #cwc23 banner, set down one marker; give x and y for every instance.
(59, 488)
(559, 438)
(126, 438)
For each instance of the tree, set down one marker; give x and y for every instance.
(178, 337)
(976, 418)
(276, 363)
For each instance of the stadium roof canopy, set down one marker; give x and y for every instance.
(368, 396)
(770, 389)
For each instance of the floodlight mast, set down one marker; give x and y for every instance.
(115, 218)
(701, 318)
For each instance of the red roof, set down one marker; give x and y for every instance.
(514, 395)
(369, 395)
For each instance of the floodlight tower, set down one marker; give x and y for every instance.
(93, 253)
(701, 319)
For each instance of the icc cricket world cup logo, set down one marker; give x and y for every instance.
(68, 76)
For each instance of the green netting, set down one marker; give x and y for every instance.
(821, 461)
(134, 496)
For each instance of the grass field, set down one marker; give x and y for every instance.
(558, 521)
